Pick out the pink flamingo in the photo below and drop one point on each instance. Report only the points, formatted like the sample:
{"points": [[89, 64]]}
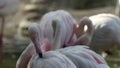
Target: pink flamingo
{"points": [[47, 32], [106, 32], [84, 37], [67, 29], [29, 51], [44, 55], [6, 7]]}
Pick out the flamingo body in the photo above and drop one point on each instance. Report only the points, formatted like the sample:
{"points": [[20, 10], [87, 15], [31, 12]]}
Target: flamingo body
{"points": [[58, 61], [83, 57], [106, 33]]}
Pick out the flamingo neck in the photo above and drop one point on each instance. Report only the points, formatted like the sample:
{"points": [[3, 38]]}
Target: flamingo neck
{"points": [[35, 36], [88, 22], [57, 39], [71, 42]]}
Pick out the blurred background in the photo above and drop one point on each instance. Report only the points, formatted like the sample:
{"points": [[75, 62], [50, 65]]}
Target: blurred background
{"points": [[16, 36]]}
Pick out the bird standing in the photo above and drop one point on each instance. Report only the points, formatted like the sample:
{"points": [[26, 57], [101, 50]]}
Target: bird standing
{"points": [[6, 7]]}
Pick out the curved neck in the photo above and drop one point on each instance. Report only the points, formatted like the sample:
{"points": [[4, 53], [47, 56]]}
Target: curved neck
{"points": [[73, 32], [84, 37], [57, 38], [85, 21], [34, 32]]}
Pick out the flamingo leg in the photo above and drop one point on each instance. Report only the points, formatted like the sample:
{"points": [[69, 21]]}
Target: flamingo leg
{"points": [[1, 40]]}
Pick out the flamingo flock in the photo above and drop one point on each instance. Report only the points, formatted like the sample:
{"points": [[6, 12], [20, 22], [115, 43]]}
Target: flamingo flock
{"points": [[58, 41], [45, 55]]}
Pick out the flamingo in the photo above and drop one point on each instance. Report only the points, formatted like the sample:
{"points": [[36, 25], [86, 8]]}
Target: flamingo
{"points": [[44, 57], [6, 7], [71, 33], [106, 34], [29, 51], [84, 37], [81, 56], [67, 29]]}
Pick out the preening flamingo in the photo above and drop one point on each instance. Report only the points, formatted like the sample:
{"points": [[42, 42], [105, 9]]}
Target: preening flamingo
{"points": [[6, 7], [84, 37], [67, 29], [107, 31], [44, 54], [29, 51]]}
